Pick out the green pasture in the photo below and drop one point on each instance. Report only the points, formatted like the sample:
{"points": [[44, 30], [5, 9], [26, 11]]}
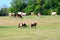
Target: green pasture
{"points": [[48, 28]]}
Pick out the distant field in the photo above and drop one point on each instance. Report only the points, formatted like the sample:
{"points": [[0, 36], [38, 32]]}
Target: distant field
{"points": [[48, 28]]}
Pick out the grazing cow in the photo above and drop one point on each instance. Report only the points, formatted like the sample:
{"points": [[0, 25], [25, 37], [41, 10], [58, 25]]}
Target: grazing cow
{"points": [[11, 14], [22, 25], [32, 13], [19, 25], [54, 14], [33, 25], [39, 14], [19, 15]]}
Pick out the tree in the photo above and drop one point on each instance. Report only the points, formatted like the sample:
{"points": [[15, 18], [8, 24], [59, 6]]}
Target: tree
{"points": [[51, 5], [40, 6], [30, 7], [3, 12], [17, 6], [45, 7]]}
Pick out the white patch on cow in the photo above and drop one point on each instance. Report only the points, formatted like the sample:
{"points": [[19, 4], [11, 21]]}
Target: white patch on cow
{"points": [[39, 14], [23, 14], [19, 12], [54, 14], [32, 13], [9, 14]]}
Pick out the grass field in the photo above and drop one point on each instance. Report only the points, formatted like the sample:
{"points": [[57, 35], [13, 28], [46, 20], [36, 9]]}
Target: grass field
{"points": [[48, 28]]}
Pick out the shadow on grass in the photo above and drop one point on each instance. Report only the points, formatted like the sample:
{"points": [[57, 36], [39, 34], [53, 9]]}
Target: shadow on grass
{"points": [[3, 27], [24, 27], [6, 27]]}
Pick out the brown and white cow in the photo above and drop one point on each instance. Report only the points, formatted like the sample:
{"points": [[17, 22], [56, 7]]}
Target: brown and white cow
{"points": [[22, 25], [19, 25], [11, 14], [33, 25], [32, 13], [39, 14]]}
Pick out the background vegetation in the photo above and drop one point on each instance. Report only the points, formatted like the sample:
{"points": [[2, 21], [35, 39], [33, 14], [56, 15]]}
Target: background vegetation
{"points": [[45, 7]]}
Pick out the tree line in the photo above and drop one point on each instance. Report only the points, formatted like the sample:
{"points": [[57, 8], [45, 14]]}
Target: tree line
{"points": [[45, 7]]}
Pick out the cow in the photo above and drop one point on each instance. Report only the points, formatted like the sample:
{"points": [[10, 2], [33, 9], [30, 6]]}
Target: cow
{"points": [[11, 14], [19, 15], [22, 25], [39, 14], [54, 14], [23, 14], [33, 25], [32, 13], [19, 25]]}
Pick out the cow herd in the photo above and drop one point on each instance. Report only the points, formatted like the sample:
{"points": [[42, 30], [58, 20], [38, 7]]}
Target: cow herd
{"points": [[23, 24], [21, 14]]}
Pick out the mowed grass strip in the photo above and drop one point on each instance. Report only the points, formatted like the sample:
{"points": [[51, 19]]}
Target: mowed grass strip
{"points": [[48, 28]]}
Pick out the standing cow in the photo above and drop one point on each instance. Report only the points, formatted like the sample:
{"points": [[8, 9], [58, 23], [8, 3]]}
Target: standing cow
{"points": [[18, 15], [32, 13], [54, 14], [11, 14], [33, 25], [39, 14]]}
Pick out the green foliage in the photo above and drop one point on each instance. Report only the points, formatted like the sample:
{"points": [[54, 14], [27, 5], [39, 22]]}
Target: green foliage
{"points": [[17, 5], [29, 8], [45, 7], [3, 12]]}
